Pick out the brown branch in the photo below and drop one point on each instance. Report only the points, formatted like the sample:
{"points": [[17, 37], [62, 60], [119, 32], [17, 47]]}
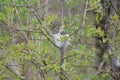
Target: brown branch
{"points": [[20, 21], [38, 19], [41, 72], [35, 31], [21, 77], [84, 66], [113, 7], [8, 4]]}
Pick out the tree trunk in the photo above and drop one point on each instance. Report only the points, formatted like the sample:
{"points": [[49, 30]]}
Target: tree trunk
{"points": [[101, 46], [109, 9]]}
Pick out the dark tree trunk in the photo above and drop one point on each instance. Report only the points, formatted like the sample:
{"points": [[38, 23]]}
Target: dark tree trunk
{"points": [[101, 46], [110, 8], [115, 10], [62, 75]]}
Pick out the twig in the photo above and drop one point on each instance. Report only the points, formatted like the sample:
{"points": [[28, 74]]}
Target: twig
{"points": [[36, 16], [85, 12], [18, 29], [41, 72], [113, 7], [19, 19], [84, 66], [62, 8], [84, 20], [21, 78], [16, 5]]}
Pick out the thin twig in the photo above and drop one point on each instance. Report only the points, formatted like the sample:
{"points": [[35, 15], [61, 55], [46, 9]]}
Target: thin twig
{"points": [[20, 21], [113, 7], [83, 21], [38, 19], [8, 4], [85, 12], [35, 31], [21, 78]]}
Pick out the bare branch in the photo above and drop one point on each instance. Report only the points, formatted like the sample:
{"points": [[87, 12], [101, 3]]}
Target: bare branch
{"points": [[36, 16]]}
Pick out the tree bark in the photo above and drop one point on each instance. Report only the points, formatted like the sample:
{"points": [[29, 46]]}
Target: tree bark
{"points": [[101, 46], [113, 49], [62, 75], [110, 8]]}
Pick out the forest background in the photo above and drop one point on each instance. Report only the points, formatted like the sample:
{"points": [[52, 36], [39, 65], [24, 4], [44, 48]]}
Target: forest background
{"points": [[28, 50]]}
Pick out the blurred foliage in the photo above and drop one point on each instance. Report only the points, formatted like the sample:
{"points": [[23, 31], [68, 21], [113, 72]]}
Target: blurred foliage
{"points": [[39, 50]]}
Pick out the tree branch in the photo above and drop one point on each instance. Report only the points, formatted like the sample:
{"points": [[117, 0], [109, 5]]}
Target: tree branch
{"points": [[38, 19], [83, 21]]}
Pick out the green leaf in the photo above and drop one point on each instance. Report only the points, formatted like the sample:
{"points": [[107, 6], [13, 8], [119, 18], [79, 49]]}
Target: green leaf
{"points": [[50, 18], [2, 17]]}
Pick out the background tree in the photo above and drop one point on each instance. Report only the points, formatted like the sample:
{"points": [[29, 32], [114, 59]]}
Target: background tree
{"points": [[28, 50]]}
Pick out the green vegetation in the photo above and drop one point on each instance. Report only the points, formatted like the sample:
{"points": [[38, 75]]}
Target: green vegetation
{"points": [[28, 50]]}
